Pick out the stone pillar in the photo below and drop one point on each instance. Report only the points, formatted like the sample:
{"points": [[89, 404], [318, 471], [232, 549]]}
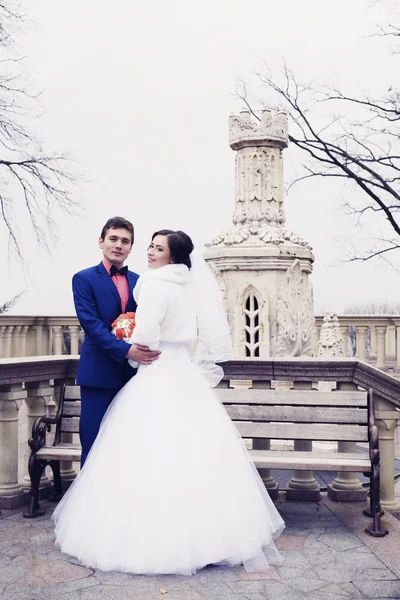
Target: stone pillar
{"points": [[39, 400], [347, 487], [11, 398], [271, 485], [361, 336], [74, 333], [386, 420], [380, 347], [303, 485], [57, 339]]}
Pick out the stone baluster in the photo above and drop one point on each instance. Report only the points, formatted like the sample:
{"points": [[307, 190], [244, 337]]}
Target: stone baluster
{"points": [[386, 420], [40, 402], [2, 333], [344, 330], [380, 346], [347, 487], [18, 343], [390, 342], [373, 351], [22, 340], [57, 339], [7, 341], [11, 398], [15, 341], [259, 444], [74, 333], [303, 485], [39, 340], [66, 466], [361, 336]]}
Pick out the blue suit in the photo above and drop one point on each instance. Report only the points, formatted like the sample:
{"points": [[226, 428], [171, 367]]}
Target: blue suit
{"points": [[103, 369]]}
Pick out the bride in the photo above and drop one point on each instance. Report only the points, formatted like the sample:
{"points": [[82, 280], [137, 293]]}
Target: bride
{"points": [[168, 486]]}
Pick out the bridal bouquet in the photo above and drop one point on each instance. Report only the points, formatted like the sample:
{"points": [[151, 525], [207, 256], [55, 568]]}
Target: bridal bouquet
{"points": [[123, 327]]}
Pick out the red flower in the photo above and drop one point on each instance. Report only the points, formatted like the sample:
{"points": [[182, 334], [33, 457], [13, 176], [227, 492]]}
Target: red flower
{"points": [[120, 333]]}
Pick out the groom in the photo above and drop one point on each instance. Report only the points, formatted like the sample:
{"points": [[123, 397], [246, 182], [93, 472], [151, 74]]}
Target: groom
{"points": [[101, 294]]}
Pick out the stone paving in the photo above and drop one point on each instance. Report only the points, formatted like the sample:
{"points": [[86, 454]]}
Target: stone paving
{"points": [[327, 556]]}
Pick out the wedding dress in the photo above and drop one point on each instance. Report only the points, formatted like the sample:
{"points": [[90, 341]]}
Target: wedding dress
{"points": [[168, 486]]}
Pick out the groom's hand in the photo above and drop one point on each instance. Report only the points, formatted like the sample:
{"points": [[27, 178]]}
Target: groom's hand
{"points": [[142, 354]]}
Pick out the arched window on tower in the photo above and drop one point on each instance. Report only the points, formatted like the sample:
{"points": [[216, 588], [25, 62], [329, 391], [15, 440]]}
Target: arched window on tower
{"points": [[252, 325]]}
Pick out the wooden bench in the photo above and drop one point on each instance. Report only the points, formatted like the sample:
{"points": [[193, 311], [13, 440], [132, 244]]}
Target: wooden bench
{"points": [[257, 414], [42, 455]]}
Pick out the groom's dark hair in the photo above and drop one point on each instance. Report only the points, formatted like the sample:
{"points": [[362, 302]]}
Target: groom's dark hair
{"points": [[117, 223], [180, 245]]}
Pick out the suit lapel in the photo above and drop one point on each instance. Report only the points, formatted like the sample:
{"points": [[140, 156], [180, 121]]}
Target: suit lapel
{"points": [[105, 277]]}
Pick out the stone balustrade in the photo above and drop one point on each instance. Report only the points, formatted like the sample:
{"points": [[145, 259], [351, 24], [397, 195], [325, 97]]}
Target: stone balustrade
{"points": [[39, 336], [376, 337], [29, 387]]}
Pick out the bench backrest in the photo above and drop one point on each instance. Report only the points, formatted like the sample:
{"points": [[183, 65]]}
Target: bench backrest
{"points": [[71, 410], [275, 414], [298, 414]]}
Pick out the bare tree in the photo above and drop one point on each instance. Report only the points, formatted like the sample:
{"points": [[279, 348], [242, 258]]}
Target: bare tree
{"points": [[10, 303], [355, 138], [34, 184]]}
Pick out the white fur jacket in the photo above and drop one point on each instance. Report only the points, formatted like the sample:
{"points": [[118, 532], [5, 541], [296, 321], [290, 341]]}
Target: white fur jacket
{"points": [[165, 311]]}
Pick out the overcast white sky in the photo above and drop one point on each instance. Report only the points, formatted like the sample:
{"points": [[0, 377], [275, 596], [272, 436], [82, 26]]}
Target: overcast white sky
{"points": [[140, 94]]}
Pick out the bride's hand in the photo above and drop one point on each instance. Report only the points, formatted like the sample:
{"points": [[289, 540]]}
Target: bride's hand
{"points": [[142, 354]]}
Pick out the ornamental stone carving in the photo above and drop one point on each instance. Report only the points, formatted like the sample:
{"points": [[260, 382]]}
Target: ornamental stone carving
{"points": [[258, 216], [295, 318], [330, 341]]}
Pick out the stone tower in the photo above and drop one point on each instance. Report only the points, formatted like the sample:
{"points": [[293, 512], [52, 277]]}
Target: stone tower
{"points": [[263, 269]]}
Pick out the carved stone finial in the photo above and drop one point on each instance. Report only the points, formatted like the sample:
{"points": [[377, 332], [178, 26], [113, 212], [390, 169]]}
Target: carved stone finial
{"points": [[330, 341], [258, 217]]}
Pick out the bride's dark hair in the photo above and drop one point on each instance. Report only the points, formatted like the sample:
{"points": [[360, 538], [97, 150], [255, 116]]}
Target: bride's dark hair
{"points": [[180, 245]]}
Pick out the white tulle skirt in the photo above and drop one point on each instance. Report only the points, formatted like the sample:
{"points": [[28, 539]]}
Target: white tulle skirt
{"points": [[168, 486]]}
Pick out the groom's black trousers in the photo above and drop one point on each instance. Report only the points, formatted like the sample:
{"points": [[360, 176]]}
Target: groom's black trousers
{"points": [[94, 403]]}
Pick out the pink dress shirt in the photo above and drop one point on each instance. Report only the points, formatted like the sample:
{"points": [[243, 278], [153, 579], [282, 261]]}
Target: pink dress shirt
{"points": [[121, 283]]}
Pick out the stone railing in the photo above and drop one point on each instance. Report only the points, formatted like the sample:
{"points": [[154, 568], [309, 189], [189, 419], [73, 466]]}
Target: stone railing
{"points": [[29, 387], [39, 336], [376, 338]]}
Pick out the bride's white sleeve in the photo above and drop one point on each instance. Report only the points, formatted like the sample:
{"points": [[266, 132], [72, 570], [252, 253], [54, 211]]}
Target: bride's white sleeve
{"points": [[152, 306]]}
